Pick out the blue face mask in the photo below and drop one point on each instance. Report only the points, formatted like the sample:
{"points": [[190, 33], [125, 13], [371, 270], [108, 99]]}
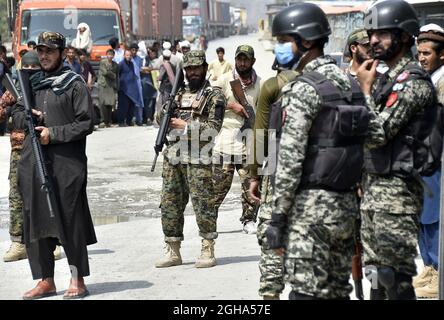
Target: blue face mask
{"points": [[283, 52]]}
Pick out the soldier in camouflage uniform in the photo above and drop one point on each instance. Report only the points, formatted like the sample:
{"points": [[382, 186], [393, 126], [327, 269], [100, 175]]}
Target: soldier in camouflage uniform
{"points": [[313, 222], [392, 200], [270, 264], [189, 173], [17, 250]]}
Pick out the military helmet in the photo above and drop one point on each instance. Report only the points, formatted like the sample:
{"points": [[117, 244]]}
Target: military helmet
{"points": [[392, 14], [306, 20]]}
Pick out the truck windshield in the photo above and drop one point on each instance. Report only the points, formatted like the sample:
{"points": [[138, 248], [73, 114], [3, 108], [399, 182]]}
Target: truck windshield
{"points": [[104, 24]]}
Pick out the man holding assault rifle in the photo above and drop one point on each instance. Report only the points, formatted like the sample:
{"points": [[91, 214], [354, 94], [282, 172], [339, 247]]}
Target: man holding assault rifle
{"points": [[55, 109], [192, 115]]}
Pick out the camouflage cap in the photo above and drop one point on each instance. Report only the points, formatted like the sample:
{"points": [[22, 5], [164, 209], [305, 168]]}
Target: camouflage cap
{"points": [[360, 36], [246, 50], [53, 40], [194, 58]]}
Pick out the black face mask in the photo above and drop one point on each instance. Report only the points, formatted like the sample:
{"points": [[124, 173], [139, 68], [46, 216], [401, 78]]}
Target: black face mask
{"points": [[32, 71]]}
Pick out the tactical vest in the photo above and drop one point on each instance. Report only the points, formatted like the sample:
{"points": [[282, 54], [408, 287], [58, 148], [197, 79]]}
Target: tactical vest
{"points": [[335, 152], [416, 149], [194, 105]]}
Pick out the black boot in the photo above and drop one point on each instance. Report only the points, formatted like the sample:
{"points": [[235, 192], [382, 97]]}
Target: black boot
{"points": [[378, 294], [398, 286]]}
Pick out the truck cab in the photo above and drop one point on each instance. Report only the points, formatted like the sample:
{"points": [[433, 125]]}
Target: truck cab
{"points": [[102, 16]]}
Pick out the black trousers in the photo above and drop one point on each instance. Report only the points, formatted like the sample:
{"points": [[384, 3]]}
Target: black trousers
{"points": [[41, 258]]}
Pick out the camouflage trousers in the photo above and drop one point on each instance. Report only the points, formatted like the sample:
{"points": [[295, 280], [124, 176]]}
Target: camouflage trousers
{"points": [[390, 240], [270, 264], [223, 173], [15, 200], [320, 244], [179, 183]]}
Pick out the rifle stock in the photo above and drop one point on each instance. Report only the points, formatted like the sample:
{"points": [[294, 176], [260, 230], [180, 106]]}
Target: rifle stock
{"points": [[167, 114], [42, 172], [239, 94]]}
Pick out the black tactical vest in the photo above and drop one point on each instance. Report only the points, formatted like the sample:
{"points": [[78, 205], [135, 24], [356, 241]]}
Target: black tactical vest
{"points": [[416, 149], [335, 153]]}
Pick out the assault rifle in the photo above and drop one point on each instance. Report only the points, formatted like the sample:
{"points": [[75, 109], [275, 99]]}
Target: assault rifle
{"points": [[239, 94], [42, 172], [167, 114]]}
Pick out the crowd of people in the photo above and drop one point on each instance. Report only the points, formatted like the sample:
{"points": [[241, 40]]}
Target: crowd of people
{"points": [[347, 155]]}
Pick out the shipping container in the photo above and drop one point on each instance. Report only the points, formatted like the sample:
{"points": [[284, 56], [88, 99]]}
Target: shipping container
{"points": [[152, 19]]}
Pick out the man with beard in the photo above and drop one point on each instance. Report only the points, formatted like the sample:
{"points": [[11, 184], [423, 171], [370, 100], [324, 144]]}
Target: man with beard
{"points": [[431, 56], [268, 119], [358, 46], [393, 191], [200, 111], [314, 205], [17, 251], [64, 112], [230, 151]]}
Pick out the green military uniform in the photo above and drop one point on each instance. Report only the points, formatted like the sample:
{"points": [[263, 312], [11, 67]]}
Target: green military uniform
{"points": [[391, 205], [319, 232], [188, 172], [270, 264], [15, 199]]}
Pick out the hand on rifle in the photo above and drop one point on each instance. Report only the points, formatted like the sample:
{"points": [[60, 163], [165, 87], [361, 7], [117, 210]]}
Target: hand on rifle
{"points": [[275, 233], [254, 190], [238, 109], [44, 135], [38, 114], [177, 123]]}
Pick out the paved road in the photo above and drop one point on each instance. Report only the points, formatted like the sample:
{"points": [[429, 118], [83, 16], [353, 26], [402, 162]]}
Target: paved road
{"points": [[121, 188]]}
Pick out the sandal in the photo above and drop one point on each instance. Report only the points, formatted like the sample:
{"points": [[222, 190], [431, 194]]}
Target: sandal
{"points": [[79, 295], [42, 290]]}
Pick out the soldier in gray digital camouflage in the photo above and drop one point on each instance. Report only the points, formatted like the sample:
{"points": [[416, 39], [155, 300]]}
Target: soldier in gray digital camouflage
{"points": [[319, 163], [267, 130], [403, 100], [200, 111]]}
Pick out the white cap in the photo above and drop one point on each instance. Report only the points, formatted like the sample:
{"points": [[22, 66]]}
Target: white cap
{"points": [[185, 44], [431, 27], [166, 45], [166, 53]]}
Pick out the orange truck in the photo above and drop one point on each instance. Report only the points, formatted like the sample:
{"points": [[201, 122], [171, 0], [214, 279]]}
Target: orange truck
{"points": [[35, 16]]}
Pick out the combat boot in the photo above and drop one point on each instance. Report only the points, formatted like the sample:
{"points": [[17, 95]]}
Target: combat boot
{"points": [[424, 278], [206, 259], [430, 290], [172, 255], [17, 251]]}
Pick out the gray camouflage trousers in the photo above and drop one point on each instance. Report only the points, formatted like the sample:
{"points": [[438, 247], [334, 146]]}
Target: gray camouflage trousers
{"points": [[390, 240], [320, 244], [270, 264], [179, 183]]}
